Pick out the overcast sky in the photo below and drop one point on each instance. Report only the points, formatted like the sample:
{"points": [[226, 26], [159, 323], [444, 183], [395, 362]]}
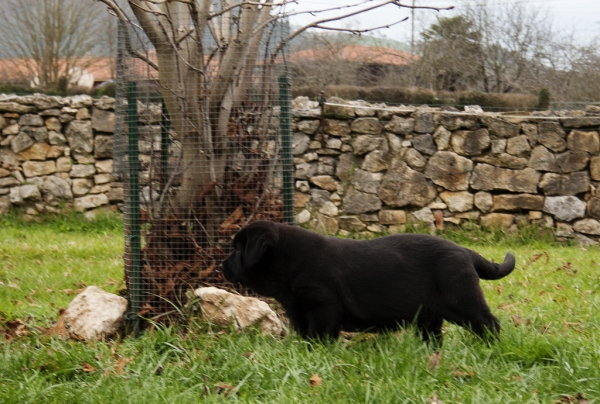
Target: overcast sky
{"points": [[583, 16]]}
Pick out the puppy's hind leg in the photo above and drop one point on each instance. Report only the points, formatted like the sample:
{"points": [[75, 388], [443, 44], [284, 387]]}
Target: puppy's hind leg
{"points": [[431, 331], [466, 306], [324, 322]]}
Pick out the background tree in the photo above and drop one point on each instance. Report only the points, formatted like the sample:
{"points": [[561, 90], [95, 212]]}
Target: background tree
{"points": [[57, 38], [202, 87], [451, 54]]}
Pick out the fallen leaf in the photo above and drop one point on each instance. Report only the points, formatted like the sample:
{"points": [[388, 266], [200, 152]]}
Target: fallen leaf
{"points": [[15, 328], [30, 297], [120, 365], [538, 256], [59, 329], [87, 368], [499, 289], [223, 388], [13, 285], [518, 320], [315, 380], [579, 399], [434, 361]]}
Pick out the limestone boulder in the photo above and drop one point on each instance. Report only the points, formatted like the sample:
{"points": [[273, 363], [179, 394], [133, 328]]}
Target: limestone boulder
{"points": [[351, 224], [335, 127], [309, 126], [584, 141], [402, 186], [424, 122], [94, 314], [517, 202], [518, 145], [375, 161], [587, 226], [242, 312], [90, 202], [300, 142], [565, 208], [55, 190], [400, 126], [39, 168], [80, 137], [325, 182], [484, 201], [21, 142], [497, 220], [593, 207], [366, 181], [487, 178], [442, 136], [470, 143], [503, 129], [364, 144], [345, 166], [103, 147], [552, 136], [458, 201], [449, 170], [424, 144], [454, 121], [357, 202], [367, 126], [414, 159], [572, 161], [581, 122], [542, 160], [595, 168], [565, 184]]}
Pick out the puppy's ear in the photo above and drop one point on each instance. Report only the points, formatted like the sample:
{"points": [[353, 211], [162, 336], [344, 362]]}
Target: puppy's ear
{"points": [[257, 242]]}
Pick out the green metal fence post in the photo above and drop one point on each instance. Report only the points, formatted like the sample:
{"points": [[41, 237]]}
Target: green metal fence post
{"points": [[285, 123], [134, 208], [165, 125]]}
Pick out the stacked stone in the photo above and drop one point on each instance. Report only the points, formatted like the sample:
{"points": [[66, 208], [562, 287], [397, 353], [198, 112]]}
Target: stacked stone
{"points": [[367, 168], [57, 152]]}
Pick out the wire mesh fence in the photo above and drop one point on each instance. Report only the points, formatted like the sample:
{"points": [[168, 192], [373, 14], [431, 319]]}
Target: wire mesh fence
{"points": [[202, 144]]}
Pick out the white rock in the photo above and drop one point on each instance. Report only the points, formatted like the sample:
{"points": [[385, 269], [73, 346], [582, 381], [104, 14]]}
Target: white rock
{"points": [[94, 313], [303, 217], [223, 308]]}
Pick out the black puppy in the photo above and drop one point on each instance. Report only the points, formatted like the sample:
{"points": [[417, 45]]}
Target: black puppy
{"points": [[328, 284]]}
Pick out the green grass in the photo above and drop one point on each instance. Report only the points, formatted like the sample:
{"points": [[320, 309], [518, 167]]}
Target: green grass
{"points": [[549, 349], [44, 263]]}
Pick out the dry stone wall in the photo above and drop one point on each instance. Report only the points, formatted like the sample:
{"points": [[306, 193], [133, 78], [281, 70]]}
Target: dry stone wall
{"points": [[57, 152], [359, 168], [369, 168]]}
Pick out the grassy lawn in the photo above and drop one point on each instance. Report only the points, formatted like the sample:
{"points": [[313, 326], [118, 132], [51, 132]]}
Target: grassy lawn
{"points": [[549, 352]]}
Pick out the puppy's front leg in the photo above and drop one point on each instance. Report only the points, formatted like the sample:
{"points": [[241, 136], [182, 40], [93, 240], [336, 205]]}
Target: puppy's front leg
{"points": [[324, 322]]}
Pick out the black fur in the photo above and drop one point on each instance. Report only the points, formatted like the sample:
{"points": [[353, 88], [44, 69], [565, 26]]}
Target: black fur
{"points": [[328, 284]]}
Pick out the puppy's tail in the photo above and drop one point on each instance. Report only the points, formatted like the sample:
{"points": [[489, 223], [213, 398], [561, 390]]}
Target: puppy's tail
{"points": [[490, 270]]}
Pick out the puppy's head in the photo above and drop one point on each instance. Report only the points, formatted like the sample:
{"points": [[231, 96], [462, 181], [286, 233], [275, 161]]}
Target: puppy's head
{"points": [[250, 249]]}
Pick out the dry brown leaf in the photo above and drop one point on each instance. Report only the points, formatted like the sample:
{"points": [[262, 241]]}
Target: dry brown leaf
{"points": [[59, 329], [434, 361], [315, 380], [499, 289], [223, 388], [87, 368], [537, 257], [120, 365], [518, 320], [15, 328]]}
